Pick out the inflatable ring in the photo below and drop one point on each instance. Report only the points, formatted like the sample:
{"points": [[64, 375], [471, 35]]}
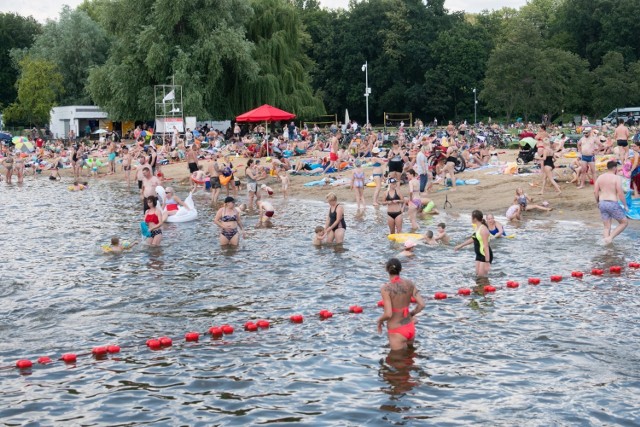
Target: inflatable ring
{"points": [[197, 182], [403, 237], [224, 180], [571, 155], [370, 184]]}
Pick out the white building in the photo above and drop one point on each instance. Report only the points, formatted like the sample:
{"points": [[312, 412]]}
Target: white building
{"points": [[77, 117]]}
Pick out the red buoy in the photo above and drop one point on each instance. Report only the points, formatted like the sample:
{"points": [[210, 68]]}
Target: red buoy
{"points": [[165, 341], [634, 264], [325, 314], [192, 336], [597, 272], [556, 278], [153, 344], [381, 303], [44, 360], [114, 349], [577, 274], [489, 288], [215, 332], [511, 284], [439, 295], [99, 351], [226, 329], [263, 323], [464, 291], [24, 364], [615, 269], [69, 357], [297, 318], [355, 309], [250, 326], [534, 281]]}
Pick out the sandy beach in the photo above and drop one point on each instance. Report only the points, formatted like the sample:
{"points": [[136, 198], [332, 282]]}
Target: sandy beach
{"points": [[494, 193]]}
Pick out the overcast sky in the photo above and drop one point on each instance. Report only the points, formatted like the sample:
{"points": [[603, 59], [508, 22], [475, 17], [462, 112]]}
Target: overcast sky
{"points": [[49, 9]]}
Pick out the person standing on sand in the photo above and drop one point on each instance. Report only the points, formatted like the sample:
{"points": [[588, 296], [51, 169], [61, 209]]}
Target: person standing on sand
{"points": [[621, 135], [333, 154], [112, 152], [587, 148], [607, 191]]}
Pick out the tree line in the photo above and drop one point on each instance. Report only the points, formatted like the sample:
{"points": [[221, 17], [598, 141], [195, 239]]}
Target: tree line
{"points": [[548, 57]]}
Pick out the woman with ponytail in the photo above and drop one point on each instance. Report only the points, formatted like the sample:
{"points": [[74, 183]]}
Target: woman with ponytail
{"points": [[396, 294], [480, 240]]}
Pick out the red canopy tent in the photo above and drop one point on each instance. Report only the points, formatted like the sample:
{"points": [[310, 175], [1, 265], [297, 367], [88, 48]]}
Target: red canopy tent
{"points": [[265, 113]]}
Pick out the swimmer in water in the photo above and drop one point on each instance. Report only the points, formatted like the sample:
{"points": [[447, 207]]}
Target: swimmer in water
{"points": [[409, 246], [318, 236], [429, 239], [396, 295], [117, 247], [495, 228], [441, 235], [267, 190]]}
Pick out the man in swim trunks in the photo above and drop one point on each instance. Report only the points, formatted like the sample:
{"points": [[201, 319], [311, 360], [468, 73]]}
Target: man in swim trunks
{"points": [[621, 135], [587, 148], [192, 159], [607, 191], [149, 184], [333, 154]]}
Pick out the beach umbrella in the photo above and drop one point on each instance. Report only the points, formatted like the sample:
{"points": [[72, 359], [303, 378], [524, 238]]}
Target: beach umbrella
{"points": [[25, 146], [19, 139], [528, 142]]}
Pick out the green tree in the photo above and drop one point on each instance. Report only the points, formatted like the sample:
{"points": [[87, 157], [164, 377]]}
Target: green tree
{"points": [[201, 44], [282, 80], [39, 87], [461, 55], [75, 43], [16, 32], [614, 85]]}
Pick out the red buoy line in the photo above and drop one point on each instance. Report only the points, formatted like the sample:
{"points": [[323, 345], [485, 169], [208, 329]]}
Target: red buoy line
{"points": [[218, 332]]}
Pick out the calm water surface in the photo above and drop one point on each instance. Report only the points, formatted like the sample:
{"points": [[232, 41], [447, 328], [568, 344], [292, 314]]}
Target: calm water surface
{"points": [[554, 354]]}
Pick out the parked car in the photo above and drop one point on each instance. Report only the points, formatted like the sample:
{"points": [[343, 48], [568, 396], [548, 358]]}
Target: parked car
{"points": [[5, 138], [628, 113]]}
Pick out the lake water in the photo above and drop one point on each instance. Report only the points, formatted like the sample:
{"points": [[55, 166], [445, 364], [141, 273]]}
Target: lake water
{"points": [[554, 354]]}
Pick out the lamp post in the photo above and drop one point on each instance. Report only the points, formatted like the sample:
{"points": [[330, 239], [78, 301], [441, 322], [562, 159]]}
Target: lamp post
{"points": [[367, 89], [475, 108]]}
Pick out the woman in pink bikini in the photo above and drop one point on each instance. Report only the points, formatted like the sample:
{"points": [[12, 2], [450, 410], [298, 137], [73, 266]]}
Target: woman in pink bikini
{"points": [[396, 294]]}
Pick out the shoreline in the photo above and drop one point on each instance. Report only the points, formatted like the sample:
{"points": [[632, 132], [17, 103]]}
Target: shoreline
{"points": [[493, 194]]}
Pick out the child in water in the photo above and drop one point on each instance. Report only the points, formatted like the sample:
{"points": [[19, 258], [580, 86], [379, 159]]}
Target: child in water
{"points": [[266, 211], [117, 247], [442, 235], [318, 237], [429, 239], [267, 190], [409, 245]]}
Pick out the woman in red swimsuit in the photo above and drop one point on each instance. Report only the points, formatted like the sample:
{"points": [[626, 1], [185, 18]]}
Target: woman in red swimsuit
{"points": [[396, 294], [154, 219]]}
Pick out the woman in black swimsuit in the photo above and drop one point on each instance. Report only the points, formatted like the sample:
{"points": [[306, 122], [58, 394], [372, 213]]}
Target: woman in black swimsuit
{"points": [[450, 164], [546, 155], [396, 160], [335, 226], [395, 203]]}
